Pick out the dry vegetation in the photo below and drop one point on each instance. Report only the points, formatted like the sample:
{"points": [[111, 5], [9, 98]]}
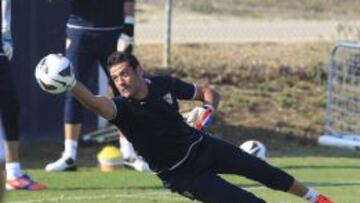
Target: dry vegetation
{"points": [[267, 89], [308, 9], [282, 9]]}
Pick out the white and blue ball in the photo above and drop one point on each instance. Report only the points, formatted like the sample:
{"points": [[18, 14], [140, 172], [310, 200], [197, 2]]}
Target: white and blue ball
{"points": [[54, 74]]}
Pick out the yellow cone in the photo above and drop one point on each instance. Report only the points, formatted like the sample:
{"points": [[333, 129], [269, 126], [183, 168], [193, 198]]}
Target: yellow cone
{"points": [[110, 158]]}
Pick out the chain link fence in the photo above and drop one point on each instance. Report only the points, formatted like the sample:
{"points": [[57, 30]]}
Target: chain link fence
{"points": [[235, 21]]}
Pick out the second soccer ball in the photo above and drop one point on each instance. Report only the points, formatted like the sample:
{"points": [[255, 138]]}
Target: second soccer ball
{"points": [[255, 148]]}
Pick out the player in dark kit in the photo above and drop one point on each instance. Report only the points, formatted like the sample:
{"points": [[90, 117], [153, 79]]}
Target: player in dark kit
{"points": [[95, 29], [187, 160], [16, 179]]}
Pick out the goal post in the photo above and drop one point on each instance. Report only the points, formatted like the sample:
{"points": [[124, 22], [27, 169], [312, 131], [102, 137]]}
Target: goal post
{"points": [[342, 119]]}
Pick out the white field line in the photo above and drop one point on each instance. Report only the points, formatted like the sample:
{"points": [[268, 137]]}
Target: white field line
{"points": [[147, 196], [311, 184], [163, 195]]}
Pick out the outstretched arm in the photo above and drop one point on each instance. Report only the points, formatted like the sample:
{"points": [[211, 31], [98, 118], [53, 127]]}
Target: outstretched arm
{"points": [[54, 75], [101, 105]]}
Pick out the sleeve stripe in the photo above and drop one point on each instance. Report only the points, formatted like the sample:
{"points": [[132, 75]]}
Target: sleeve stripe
{"points": [[115, 111], [195, 91]]}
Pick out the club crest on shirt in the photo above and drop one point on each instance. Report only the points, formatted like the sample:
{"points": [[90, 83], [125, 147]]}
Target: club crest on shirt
{"points": [[168, 98]]}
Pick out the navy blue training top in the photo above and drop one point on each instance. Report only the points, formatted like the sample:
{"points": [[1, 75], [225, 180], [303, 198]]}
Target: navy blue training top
{"points": [[97, 13], [154, 126]]}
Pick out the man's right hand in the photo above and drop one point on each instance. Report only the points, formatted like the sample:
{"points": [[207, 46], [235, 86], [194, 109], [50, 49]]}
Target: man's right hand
{"points": [[201, 117]]}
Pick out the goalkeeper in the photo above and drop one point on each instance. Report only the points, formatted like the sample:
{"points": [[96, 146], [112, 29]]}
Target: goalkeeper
{"points": [[187, 160]]}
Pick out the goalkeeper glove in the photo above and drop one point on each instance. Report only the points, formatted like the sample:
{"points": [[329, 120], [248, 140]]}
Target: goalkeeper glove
{"points": [[126, 40], [201, 117], [7, 44]]}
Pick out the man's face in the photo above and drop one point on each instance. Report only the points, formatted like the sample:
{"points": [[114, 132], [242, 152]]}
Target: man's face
{"points": [[126, 79]]}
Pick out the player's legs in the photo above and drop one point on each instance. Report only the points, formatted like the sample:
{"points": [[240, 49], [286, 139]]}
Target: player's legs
{"points": [[108, 46], [16, 179], [196, 179], [83, 62], [230, 159], [9, 108], [9, 129], [2, 179], [81, 55], [209, 187], [2, 168], [79, 52]]}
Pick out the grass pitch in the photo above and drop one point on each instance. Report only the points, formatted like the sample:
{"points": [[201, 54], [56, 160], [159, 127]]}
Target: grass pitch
{"points": [[337, 177]]}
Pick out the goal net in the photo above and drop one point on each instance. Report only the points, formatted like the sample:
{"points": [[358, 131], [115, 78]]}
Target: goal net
{"points": [[342, 121]]}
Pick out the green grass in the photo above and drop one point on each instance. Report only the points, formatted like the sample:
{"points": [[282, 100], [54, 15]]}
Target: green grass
{"points": [[337, 177]]}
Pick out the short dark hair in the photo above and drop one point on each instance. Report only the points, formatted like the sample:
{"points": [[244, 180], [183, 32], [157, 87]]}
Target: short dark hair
{"points": [[120, 57]]}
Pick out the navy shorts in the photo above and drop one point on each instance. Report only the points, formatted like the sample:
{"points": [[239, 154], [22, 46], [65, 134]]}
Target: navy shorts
{"points": [[86, 50], [198, 177], [9, 106]]}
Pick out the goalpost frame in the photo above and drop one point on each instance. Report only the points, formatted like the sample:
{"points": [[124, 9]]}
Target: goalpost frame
{"points": [[332, 138]]}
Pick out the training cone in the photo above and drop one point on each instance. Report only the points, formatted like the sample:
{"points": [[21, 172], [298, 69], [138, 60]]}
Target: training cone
{"points": [[110, 158]]}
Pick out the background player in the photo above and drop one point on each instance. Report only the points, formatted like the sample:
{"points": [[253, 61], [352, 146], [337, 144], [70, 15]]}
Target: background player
{"points": [[16, 179], [95, 29]]}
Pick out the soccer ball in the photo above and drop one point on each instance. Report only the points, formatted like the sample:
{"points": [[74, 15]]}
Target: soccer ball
{"points": [[54, 74], [255, 148]]}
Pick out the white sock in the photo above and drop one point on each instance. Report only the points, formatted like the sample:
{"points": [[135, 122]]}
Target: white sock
{"points": [[126, 148], [13, 170], [71, 147], [311, 195]]}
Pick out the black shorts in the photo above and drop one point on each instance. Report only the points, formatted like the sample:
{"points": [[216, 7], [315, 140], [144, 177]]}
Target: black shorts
{"points": [[198, 177], [9, 107], [6, 78]]}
